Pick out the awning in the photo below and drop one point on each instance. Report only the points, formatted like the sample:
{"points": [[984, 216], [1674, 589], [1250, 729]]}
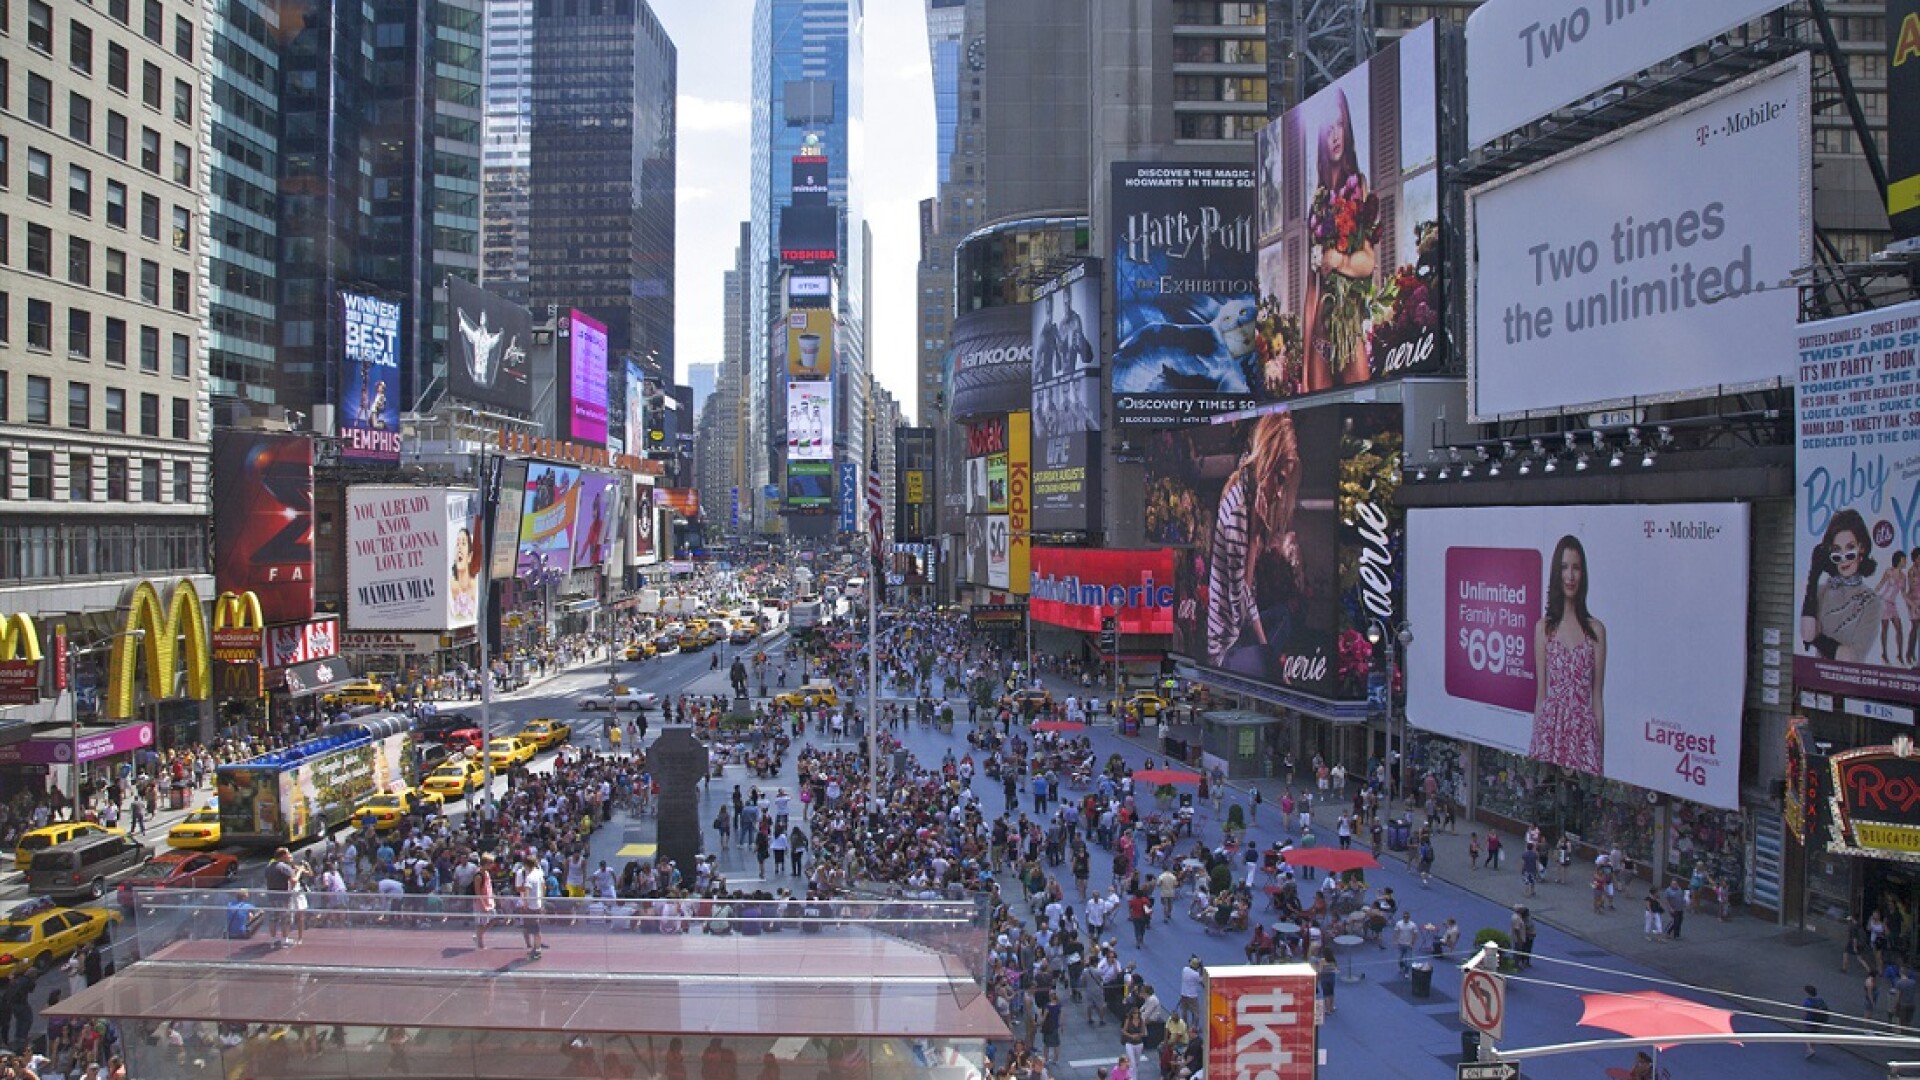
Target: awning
{"points": [[318, 676]]}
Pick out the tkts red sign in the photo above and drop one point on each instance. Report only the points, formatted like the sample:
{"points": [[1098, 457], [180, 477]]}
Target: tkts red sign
{"points": [[1260, 1022], [987, 437]]}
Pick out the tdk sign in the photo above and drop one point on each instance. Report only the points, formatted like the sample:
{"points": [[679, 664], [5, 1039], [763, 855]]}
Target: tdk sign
{"points": [[1069, 590]]}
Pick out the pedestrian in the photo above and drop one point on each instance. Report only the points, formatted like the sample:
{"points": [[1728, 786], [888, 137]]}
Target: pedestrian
{"points": [[139, 817], [1140, 913], [1473, 850], [484, 903], [1562, 858], [1904, 992], [1166, 884], [1133, 1036], [1870, 996], [1815, 1015], [1426, 861], [1677, 901], [1855, 946], [1493, 851], [1652, 924], [1253, 808], [1530, 869], [1191, 983], [1405, 933], [533, 903], [1521, 930], [1326, 980]]}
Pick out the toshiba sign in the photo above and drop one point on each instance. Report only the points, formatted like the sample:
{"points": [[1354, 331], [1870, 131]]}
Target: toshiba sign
{"points": [[1077, 587]]}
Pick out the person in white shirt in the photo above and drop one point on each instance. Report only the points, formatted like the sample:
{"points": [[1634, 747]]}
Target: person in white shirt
{"points": [[533, 902]]}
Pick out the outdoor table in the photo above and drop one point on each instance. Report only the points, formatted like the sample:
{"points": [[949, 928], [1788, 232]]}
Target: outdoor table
{"points": [[1347, 942]]}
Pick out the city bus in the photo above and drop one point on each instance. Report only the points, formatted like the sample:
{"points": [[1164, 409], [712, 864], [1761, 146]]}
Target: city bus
{"points": [[309, 789]]}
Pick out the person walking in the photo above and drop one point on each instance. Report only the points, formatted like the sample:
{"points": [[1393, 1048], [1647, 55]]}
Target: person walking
{"points": [[533, 904], [1530, 869], [1405, 933], [484, 902], [1473, 851], [1140, 913], [1677, 901], [1653, 924], [1815, 1014], [1493, 851]]}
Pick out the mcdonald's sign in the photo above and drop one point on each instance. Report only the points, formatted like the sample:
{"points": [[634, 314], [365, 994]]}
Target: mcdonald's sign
{"points": [[19, 660], [237, 628], [175, 632]]}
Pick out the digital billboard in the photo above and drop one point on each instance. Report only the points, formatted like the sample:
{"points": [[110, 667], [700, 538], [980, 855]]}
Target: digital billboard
{"points": [[487, 342], [546, 518], [809, 234], [1350, 238], [810, 343], [1289, 535], [597, 511], [506, 520], [263, 520], [1856, 536], [1066, 353], [1538, 635], [1184, 292], [413, 558], [1903, 117], [992, 361], [1648, 265], [809, 421], [646, 528], [369, 407], [585, 398], [1078, 587], [848, 496], [1066, 482], [809, 487], [634, 431]]}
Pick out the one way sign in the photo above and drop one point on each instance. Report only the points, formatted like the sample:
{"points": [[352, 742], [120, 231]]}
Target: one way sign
{"points": [[1487, 1070]]}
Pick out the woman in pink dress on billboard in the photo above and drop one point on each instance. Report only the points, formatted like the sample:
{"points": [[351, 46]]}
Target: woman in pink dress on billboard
{"points": [[1570, 668]]}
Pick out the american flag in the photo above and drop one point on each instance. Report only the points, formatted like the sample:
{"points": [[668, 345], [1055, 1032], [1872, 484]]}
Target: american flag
{"points": [[876, 525]]}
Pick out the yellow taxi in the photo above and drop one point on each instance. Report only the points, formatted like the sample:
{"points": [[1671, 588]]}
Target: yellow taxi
{"points": [[197, 831], [387, 808], [809, 695], [1028, 699], [38, 933], [507, 752], [455, 778], [363, 692], [1148, 703], [547, 734], [642, 650], [44, 838]]}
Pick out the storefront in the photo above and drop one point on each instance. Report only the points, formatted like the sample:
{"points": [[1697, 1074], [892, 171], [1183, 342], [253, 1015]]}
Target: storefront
{"points": [[102, 753], [425, 663]]}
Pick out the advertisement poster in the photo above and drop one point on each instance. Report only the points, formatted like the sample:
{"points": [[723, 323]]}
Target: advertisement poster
{"points": [[810, 343], [1066, 353], [999, 550], [1289, 536], [1594, 285], [992, 361], [809, 487], [1856, 534], [809, 421], [1077, 587], [1019, 502], [849, 496], [1066, 472], [975, 566], [1538, 635], [506, 520], [370, 379], [587, 380], [597, 511], [646, 528], [1260, 1022], [487, 342], [301, 643], [997, 483], [263, 520], [546, 519], [1903, 118], [635, 431], [412, 559], [1184, 292], [1350, 251]]}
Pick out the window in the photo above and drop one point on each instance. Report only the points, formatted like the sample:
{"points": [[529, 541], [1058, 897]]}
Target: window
{"points": [[40, 25], [116, 341], [116, 272], [79, 191], [150, 349], [39, 324], [116, 204], [79, 334], [149, 281], [79, 478], [152, 25], [79, 118], [79, 405], [150, 217], [79, 262], [117, 479], [149, 480], [183, 38], [6, 163], [39, 474], [182, 418], [80, 46], [183, 481], [182, 164], [39, 175], [182, 101], [118, 10], [182, 229], [39, 399], [39, 249], [150, 415], [116, 135], [116, 410], [118, 65], [6, 242], [182, 291], [39, 101], [6, 334], [150, 150], [150, 84], [182, 356]]}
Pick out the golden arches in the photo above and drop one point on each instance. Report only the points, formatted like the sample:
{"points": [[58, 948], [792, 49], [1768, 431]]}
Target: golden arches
{"points": [[17, 637], [238, 611], [183, 626]]}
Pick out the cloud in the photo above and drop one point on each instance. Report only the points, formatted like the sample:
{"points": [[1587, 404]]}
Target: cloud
{"points": [[708, 114]]}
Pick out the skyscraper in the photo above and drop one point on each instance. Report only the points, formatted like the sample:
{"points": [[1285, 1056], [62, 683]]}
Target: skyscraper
{"points": [[243, 288], [508, 148], [601, 180]]}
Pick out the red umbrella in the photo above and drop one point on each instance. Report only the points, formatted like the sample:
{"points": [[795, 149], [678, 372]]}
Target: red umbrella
{"points": [[1649, 1014], [1156, 777], [1333, 860], [1059, 725]]}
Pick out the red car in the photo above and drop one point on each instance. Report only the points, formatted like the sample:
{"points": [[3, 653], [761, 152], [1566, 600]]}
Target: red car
{"points": [[180, 870], [463, 739]]}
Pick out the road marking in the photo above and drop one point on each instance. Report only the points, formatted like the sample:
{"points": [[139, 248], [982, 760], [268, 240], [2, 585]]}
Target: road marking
{"points": [[1088, 1063], [637, 851]]}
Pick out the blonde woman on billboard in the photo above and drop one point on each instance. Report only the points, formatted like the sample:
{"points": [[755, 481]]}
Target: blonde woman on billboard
{"points": [[1254, 522], [1839, 612], [1570, 668], [464, 598], [1343, 221]]}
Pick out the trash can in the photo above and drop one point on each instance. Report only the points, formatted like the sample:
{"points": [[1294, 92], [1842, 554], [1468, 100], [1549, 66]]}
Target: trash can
{"points": [[179, 799], [1422, 974], [1399, 833], [1470, 1045]]}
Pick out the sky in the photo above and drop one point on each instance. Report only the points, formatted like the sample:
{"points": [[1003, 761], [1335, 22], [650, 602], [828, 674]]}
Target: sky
{"points": [[716, 128]]}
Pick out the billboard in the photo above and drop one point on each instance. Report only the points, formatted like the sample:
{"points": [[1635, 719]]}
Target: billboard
{"points": [[1077, 587], [1526, 58], [369, 379], [810, 343], [1856, 537], [1184, 285], [809, 487], [1066, 353], [1350, 239], [999, 551], [506, 520], [1261, 1022], [974, 557], [1539, 636], [413, 558], [1019, 502], [809, 421], [997, 483], [487, 343], [809, 234], [992, 362], [634, 432], [585, 394], [597, 510], [263, 520], [546, 518], [1903, 118], [1290, 533], [646, 527], [1066, 482], [849, 496], [1595, 285]]}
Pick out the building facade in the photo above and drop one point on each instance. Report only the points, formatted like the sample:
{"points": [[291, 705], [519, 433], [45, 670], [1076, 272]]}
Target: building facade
{"points": [[508, 148]]}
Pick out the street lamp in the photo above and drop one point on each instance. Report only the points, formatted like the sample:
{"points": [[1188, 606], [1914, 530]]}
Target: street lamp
{"points": [[73, 709], [1395, 641]]}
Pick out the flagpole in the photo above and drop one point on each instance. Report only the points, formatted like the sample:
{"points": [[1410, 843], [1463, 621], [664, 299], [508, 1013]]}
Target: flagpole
{"points": [[873, 618]]}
